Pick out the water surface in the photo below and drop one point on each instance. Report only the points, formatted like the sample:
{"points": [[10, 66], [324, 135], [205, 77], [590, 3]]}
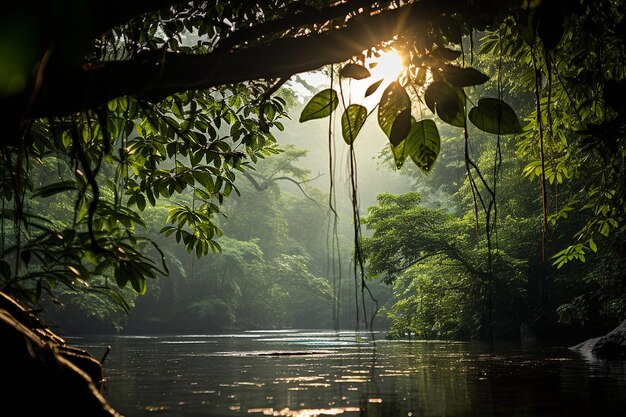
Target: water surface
{"points": [[308, 374]]}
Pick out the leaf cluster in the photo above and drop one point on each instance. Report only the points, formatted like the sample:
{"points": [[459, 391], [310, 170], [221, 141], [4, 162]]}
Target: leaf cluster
{"points": [[443, 94]]}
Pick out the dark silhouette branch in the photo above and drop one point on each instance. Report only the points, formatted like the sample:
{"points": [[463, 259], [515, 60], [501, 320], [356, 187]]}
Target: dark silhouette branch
{"points": [[154, 75], [266, 183], [299, 18]]}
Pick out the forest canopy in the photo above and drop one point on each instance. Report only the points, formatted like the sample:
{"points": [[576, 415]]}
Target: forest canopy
{"points": [[108, 108]]}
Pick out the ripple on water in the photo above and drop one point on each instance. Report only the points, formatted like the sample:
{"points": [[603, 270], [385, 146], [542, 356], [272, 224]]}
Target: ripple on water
{"points": [[285, 374], [274, 353], [310, 342], [304, 412]]}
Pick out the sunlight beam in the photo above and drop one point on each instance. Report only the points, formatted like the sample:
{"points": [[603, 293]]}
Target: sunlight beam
{"points": [[389, 66]]}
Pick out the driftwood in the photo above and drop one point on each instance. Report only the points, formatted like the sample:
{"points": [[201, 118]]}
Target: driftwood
{"points": [[41, 374]]}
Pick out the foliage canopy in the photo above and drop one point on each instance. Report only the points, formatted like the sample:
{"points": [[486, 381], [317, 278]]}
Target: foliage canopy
{"points": [[107, 109]]}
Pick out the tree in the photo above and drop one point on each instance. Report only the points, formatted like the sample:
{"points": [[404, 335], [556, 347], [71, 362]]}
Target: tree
{"points": [[437, 265]]}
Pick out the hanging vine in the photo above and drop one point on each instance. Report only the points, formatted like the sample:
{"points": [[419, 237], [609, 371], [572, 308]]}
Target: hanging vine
{"points": [[333, 255], [419, 140]]}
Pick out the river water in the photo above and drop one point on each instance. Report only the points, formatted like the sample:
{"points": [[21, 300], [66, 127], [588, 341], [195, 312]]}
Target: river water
{"points": [[313, 373]]}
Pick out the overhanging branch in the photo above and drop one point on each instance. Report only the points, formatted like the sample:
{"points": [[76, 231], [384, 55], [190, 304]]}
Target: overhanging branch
{"points": [[155, 75], [266, 183], [298, 19]]}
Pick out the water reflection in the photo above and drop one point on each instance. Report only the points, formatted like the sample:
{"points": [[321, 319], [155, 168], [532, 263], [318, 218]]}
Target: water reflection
{"points": [[326, 373], [307, 412]]}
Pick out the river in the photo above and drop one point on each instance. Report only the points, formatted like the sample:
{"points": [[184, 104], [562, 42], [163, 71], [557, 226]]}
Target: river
{"points": [[315, 373]]}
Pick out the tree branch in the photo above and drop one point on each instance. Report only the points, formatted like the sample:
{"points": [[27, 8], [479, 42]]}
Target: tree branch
{"points": [[254, 182], [264, 186], [393, 272], [298, 19], [155, 75]]}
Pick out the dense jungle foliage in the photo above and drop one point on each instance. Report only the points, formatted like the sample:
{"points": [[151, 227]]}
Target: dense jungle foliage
{"points": [[136, 135]]}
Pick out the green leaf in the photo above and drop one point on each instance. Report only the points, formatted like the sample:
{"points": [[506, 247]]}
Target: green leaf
{"points": [[52, 189], [352, 121], [372, 88], [423, 144], [356, 71], [120, 277], [321, 105], [447, 102], [445, 54], [493, 115], [463, 77], [605, 229], [593, 245], [112, 294], [394, 101], [401, 127], [112, 105], [151, 197], [141, 202], [204, 178], [399, 153], [139, 284], [177, 110]]}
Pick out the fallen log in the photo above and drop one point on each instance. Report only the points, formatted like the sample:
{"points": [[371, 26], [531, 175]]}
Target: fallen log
{"points": [[41, 374]]}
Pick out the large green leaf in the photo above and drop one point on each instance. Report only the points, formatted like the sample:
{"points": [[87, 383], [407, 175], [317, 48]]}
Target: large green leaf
{"points": [[493, 115], [423, 144], [393, 103], [463, 77], [352, 121], [447, 102], [321, 105], [356, 71], [445, 54], [401, 127]]}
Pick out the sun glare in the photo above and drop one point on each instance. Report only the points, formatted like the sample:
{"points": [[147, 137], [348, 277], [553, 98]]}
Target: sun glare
{"points": [[389, 66]]}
